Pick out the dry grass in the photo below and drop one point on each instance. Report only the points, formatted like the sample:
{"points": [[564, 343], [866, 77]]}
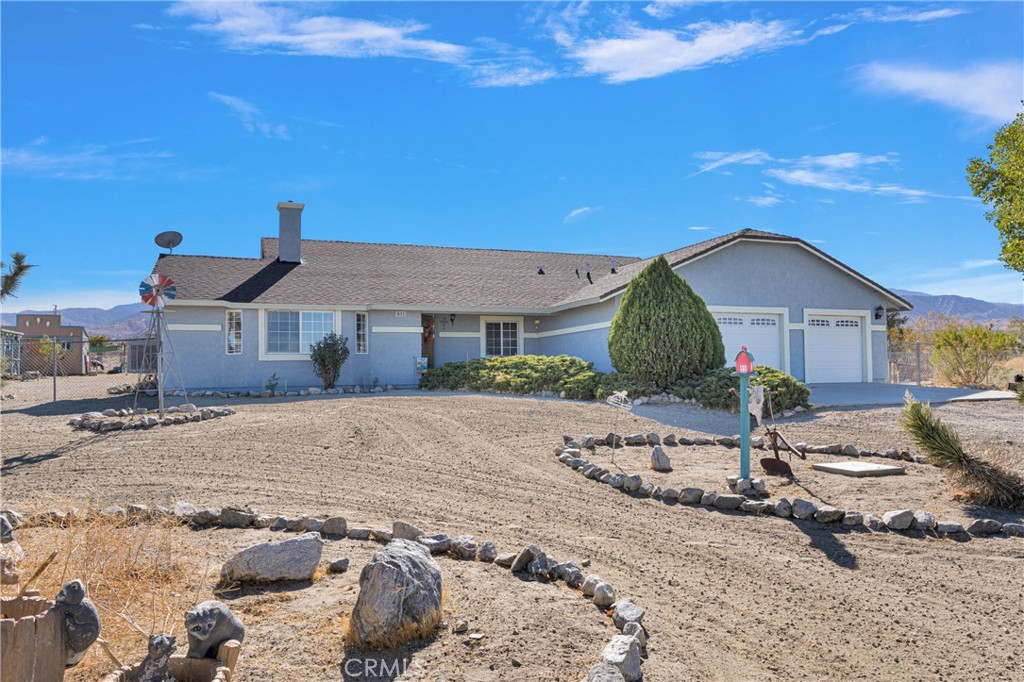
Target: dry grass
{"points": [[139, 576]]}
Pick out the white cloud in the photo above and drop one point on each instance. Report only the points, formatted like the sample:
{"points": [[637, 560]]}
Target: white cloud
{"points": [[577, 214], [118, 161], [290, 29], [251, 117], [816, 241], [698, 228], [893, 13], [714, 160], [663, 9], [766, 201], [500, 76], [990, 91], [646, 53]]}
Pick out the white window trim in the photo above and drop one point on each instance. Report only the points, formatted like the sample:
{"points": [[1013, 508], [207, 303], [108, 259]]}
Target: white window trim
{"points": [[227, 332], [264, 356], [868, 370], [784, 326], [495, 318], [355, 333]]}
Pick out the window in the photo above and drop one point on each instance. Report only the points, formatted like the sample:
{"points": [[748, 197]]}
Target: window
{"points": [[502, 338], [764, 322], [295, 332], [234, 332], [66, 345], [729, 320], [282, 332], [847, 323], [315, 326], [818, 323], [362, 338]]}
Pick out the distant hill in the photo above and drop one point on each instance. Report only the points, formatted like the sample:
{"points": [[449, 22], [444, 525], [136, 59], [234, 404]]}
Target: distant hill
{"points": [[960, 306], [120, 322]]}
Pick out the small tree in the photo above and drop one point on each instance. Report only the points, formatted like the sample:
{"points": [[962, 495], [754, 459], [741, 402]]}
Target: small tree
{"points": [[998, 181], [663, 332], [328, 355], [98, 340], [966, 353], [50, 348]]}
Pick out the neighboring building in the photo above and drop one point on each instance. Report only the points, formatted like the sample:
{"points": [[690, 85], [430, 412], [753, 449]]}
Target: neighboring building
{"points": [[237, 321], [34, 328]]}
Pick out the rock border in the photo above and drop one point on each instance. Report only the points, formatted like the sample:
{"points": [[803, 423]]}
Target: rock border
{"points": [[744, 498], [312, 390], [625, 651], [123, 419]]}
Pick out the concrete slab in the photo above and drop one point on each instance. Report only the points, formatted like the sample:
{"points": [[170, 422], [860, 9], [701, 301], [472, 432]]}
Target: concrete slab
{"points": [[876, 394], [859, 469]]}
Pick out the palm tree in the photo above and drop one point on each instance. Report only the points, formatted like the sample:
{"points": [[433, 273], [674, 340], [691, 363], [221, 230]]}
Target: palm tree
{"points": [[12, 278]]}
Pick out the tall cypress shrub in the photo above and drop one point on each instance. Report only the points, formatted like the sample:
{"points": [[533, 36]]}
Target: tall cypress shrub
{"points": [[663, 332]]}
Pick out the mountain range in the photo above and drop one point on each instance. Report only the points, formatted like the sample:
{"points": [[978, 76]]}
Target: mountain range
{"points": [[130, 320], [999, 314]]}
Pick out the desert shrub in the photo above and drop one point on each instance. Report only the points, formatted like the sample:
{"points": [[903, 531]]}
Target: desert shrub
{"points": [[663, 332], [966, 354], [715, 389], [978, 481], [516, 374], [328, 355]]}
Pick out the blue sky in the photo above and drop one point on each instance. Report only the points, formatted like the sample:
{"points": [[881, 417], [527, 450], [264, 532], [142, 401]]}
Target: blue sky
{"points": [[606, 127]]}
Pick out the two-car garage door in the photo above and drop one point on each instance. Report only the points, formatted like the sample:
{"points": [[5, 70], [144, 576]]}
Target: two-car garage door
{"points": [[833, 344], [761, 334], [833, 349]]}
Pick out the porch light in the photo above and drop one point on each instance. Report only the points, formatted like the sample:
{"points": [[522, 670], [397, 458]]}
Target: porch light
{"points": [[536, 325], [879, 313], [451, 318]]}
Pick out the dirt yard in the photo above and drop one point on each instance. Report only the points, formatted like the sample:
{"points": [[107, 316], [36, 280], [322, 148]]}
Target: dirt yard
{"points": [[729, 597]]}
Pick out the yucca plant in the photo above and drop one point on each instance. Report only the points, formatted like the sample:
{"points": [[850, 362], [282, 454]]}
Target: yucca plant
{"points": [[978, 481]]}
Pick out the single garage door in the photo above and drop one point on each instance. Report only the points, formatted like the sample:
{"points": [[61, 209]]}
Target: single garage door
{"points": [[761, 334], [833, 349]]}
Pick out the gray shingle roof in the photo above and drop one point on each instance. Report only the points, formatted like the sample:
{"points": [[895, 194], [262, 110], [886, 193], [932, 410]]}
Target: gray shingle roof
{"points": [[356, 273], [429, 277]]}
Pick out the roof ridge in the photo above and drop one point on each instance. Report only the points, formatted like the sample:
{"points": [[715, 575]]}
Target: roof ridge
{"points": [[462, 248]]}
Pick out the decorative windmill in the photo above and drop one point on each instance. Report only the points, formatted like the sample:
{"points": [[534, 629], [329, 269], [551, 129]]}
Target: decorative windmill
{"points": [[156, 291]]}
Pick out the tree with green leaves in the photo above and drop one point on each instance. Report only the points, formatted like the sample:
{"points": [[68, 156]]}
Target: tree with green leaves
{"points": [[328, 355], [15, 273], [663, 332], [999, 182]]}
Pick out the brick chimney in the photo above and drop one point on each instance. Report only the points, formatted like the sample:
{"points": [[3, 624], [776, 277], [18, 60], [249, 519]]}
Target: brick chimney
{"points": [[289, 242]]}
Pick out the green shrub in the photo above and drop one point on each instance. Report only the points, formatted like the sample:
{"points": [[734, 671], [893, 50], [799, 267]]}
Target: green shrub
{"points": [[715, 389], [328, 355], [663, 333], [966, 354], [614, 382], [517, 374]]}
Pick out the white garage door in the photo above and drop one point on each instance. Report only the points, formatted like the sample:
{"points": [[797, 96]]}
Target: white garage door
{"points": [[834, 349], [761, 334]]}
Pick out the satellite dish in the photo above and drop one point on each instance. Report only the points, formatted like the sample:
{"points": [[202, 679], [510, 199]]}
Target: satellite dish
{"points": [[168, 240]]}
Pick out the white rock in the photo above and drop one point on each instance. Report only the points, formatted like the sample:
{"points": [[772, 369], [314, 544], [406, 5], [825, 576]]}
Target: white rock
{"points": [[294, 559], [590, 583], [924, 520], [659, 460], [802, 509], [623, 652], [898, 520], [604, 595]]}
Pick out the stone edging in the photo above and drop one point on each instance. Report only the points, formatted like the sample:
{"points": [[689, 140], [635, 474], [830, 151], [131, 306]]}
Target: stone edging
{"points": [[624, 652], [895, 520], [115, 420]]}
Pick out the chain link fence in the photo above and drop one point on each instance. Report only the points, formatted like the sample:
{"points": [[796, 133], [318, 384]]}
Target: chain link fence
{"points": [[36, 371], [910, 362]]}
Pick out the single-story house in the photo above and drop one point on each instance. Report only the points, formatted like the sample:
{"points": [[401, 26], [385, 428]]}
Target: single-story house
{"points": [[238, 321], [32, 355]]}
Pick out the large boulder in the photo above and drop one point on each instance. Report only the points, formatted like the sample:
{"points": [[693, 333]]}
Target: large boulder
{"points": [[294, 559], [399, 597], [623, 652]]}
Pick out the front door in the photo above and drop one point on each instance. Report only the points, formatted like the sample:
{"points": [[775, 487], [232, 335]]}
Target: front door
{"points": [[427, 345]]}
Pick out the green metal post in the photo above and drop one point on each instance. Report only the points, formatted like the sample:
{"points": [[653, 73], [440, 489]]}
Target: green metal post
{"points": [[744, 427]]}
